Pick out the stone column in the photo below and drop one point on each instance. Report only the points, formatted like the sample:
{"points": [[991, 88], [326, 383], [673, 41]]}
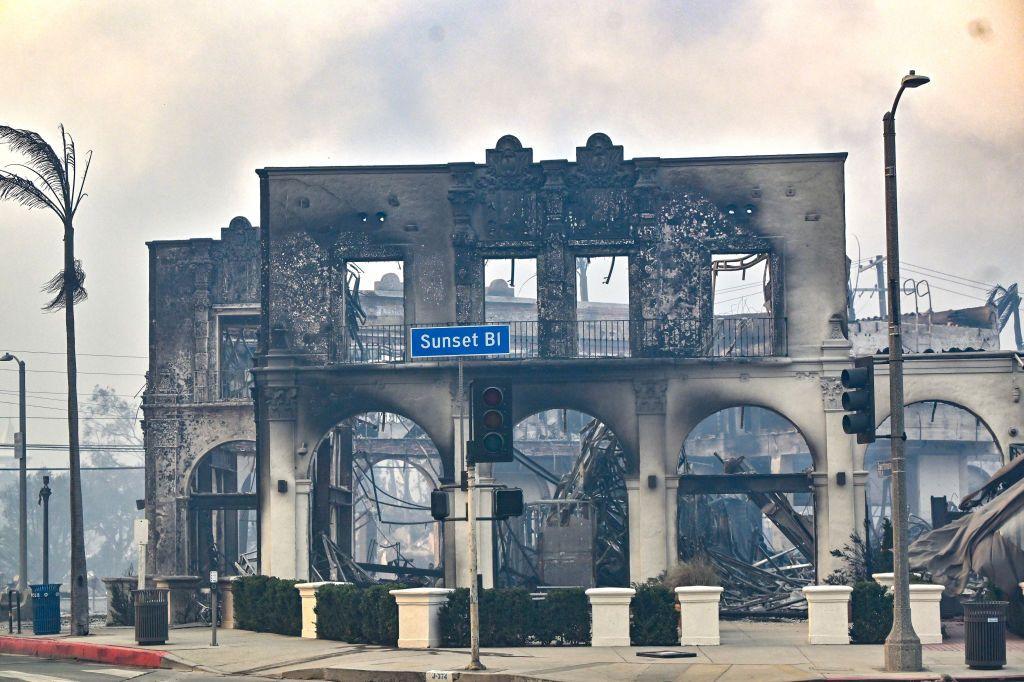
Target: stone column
{"points": [[307, 595], [226, 586], [698, 615], [828, 619], [648, 513], [860, 496], [419, 626], [278, 543], [838, 495], [609, 615], [925, 614], [303, 486], [672, 518]]}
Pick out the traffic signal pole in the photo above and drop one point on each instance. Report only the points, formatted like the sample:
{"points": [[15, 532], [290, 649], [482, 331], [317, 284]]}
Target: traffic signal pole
{"points": [[474, 592]]}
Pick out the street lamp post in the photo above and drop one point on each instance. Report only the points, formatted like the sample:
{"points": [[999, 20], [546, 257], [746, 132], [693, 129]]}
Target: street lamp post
{"points": [[902, 646], [20, 449]]}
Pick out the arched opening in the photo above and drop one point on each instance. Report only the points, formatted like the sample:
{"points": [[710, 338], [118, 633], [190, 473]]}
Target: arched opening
{"points": [[222, 528], [575, 527], [372, 475], [745, 504], [950, 452]]}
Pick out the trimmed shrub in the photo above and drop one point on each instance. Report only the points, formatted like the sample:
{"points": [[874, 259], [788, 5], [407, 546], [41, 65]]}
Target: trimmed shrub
{"points": [[563, 618], [510, 617], [267, 604], [696, 572], [653, 619], [357, 615], [871, 613]]}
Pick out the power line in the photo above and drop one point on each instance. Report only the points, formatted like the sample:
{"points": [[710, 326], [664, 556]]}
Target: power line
{"points": [[39, 394], [988, 285], [85, 355], [60, 447], [64, 371], [111, 468]]}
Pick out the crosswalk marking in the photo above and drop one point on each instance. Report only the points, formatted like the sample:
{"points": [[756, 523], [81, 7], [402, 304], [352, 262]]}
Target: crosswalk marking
{"points": [[29, 677], [123, 673]]}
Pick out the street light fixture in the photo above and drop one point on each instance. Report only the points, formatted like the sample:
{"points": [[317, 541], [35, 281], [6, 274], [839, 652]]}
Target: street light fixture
{"points": [[902, 646], [20, 452]]}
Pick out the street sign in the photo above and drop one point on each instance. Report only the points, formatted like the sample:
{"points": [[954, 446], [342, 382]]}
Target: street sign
{"points": [[446, 342], [19, 446]]}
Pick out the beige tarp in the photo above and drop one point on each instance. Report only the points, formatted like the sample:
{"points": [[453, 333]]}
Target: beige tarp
{"points": [[989, 541]]}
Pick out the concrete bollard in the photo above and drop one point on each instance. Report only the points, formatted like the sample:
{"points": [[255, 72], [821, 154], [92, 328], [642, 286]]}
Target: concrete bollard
{"points": [[307, 594], [226, 587], [609, 615], [828, 614], [181, 593], [886, 580], [925, 614], [419, 625], [698, 615]]}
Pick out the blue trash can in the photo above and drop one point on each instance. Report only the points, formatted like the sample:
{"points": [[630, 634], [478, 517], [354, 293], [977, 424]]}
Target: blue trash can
{"points": [[46, 609]]}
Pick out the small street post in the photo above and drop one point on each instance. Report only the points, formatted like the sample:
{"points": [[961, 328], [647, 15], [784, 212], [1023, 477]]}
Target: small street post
{"points": [[44, 499], [902, 646]]}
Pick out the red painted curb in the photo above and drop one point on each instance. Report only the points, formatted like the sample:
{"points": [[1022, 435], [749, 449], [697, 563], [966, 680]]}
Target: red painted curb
{"points": [[83, 651]]}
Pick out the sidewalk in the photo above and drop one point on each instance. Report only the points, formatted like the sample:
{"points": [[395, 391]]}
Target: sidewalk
{"points": [[750, 652]]}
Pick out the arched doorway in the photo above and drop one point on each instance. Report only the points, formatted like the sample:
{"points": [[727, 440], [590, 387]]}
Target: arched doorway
{"points": [[575, 528], [950, 452], [222, 510], [372, 475], [745, 504]]}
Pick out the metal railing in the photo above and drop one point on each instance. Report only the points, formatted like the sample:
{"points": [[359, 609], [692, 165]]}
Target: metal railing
{"points": [[230, 385], [722, 337]]}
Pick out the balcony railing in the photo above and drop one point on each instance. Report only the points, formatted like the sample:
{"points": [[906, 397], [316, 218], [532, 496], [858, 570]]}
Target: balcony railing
{"points": [[724, 337]]}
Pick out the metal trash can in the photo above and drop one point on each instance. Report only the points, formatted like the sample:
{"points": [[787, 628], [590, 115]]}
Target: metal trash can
{"points": [[150, 616], [46, 609], [985, 634]]}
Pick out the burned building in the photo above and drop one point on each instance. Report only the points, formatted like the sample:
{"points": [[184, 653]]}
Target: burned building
{"points": [[628, 407]]}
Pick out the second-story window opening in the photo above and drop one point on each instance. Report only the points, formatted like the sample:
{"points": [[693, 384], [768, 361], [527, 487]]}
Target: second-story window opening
{"points": [[236, 347], [602, 305], [742, 308], [510, 296], [374, 310]]}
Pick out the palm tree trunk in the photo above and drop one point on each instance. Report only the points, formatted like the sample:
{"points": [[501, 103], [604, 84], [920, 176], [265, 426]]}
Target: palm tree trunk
{"points": [[79, 581]]}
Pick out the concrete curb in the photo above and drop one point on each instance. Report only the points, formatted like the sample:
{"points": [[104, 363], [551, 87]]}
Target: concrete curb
{"points": [[353, 675], [42, 647]]}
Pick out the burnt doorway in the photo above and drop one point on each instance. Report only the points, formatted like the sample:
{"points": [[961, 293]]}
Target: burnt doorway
{"points": [[575, 528], [222, 511], [745, 505], [372, 475]]}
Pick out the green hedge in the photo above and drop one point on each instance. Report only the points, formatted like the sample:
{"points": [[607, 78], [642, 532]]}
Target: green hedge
{"points": [[871, 613], [653, 620], [266, 604], [357, 615], [510, 617]]}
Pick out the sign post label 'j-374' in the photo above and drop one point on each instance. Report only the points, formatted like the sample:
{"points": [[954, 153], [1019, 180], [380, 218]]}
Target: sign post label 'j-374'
{"points": [[440, 342]]}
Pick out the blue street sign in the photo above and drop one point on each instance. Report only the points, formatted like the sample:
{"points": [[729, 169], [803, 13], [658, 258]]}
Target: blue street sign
{"points": [[441, 342]]}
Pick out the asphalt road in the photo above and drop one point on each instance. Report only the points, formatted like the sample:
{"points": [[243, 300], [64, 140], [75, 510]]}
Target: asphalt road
{"points": [[29, 669]]}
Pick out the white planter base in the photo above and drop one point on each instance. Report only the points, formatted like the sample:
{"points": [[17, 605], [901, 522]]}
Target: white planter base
{"points": [[698, 615]]}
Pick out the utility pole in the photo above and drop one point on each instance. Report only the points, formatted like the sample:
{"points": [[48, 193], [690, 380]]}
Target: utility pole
{"points": [[902, 646], [20, 451]]}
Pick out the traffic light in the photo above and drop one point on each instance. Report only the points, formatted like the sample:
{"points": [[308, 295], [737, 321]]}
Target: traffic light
{"points": [[492, 423], [508, 502], [439, 505], [860, 400]]}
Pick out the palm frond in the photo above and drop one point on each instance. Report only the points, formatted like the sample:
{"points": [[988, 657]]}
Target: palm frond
{"points": [[70, 170], [76, 200], [57, 286], [40, 154], [23, 191]]}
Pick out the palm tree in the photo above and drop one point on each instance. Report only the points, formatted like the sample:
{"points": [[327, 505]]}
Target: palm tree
{"points": [[51, 180]]}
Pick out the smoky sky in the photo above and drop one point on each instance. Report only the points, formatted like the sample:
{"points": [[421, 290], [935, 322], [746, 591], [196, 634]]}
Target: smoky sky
{"points": [[182, 101]]}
